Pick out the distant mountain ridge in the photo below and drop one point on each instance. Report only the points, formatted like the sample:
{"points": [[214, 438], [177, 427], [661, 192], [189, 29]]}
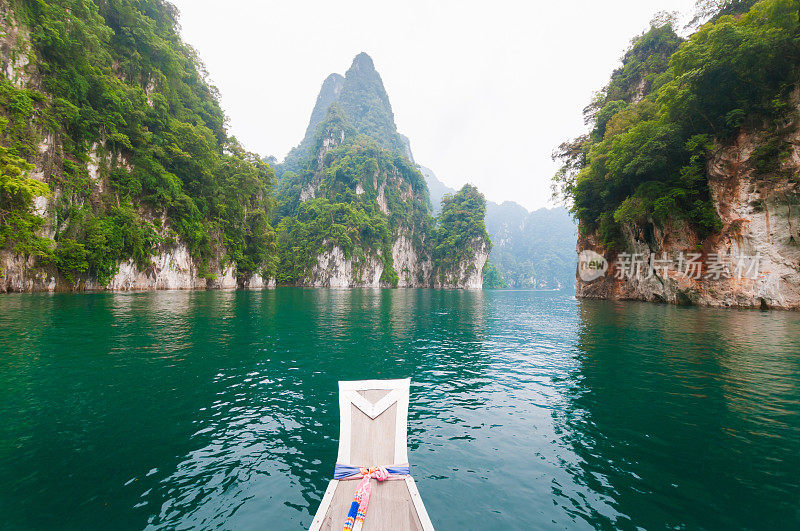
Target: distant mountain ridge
{"points": [[530, 249]]}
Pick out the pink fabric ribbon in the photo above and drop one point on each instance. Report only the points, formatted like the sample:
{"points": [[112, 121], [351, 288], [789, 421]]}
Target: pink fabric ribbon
{"points": [[358, 509]]}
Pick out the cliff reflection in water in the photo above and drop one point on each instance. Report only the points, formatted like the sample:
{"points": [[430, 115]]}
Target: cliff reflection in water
{"points": [[178, 409], [697, 407], [220, 409], [268, 422]]}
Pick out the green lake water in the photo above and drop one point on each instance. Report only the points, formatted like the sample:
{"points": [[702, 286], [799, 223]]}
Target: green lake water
{"points": [[178, 410]]}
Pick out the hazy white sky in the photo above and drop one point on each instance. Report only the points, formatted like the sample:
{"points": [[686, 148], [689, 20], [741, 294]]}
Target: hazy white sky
{"points": [[485, 90]]}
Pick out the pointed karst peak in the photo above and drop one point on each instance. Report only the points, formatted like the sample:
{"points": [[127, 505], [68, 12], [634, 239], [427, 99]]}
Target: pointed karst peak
{"points": [[328, 94], [362, 73], [362, 102], [363, 62], [333, 83]]}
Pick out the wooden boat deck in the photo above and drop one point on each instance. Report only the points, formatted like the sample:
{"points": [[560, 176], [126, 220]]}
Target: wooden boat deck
{"points": [[372, 432]]}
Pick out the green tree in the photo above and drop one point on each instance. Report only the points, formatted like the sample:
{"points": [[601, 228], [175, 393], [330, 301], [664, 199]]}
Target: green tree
{"points": [[461, 229], [492, 279], [656, 123], [18, 223], [124, 91]]}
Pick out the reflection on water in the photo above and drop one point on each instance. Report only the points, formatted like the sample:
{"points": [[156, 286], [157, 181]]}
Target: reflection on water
{"points": [[173, 410], [687, 416]]}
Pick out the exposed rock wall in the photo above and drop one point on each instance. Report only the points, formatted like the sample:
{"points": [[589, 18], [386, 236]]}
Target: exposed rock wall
{"points": [[761, 217], [335, 270], [15, 49], [20, 274], [257, 281], [171, 269], [412, 270], [469, 274]]}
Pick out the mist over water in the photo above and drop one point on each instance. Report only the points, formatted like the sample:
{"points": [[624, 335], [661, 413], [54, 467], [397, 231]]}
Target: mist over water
{"points": [[203, 409]]}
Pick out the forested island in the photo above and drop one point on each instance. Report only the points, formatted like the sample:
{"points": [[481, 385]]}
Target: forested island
{"points": [[530, 250], [118, 171], [694, 151], [194, 335]]}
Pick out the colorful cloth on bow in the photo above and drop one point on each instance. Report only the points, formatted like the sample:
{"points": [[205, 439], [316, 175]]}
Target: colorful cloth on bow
{"points": [[354, 472], [358, 509]]}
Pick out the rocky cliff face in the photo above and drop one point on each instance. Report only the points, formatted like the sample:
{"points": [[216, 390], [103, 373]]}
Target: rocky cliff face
{"points": [[758, 246], [335, 270], [530, 249], [469, 273], [412, 268], [170, 266], [353, 158], [691, 167]]}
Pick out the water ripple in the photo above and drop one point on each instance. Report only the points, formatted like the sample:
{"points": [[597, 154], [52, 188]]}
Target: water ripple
{"points": [[200, 410]]}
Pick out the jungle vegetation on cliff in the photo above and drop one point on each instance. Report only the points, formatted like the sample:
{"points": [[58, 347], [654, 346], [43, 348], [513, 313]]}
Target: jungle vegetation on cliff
{"points": [[110, 84], [351, 184], [669, 105], [113, 147]]}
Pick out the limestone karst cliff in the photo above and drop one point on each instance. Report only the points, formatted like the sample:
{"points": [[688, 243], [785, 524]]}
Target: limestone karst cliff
{"points": [[354, 208], [760, 215], [529, 249], [117, 171], [688, 184]]}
